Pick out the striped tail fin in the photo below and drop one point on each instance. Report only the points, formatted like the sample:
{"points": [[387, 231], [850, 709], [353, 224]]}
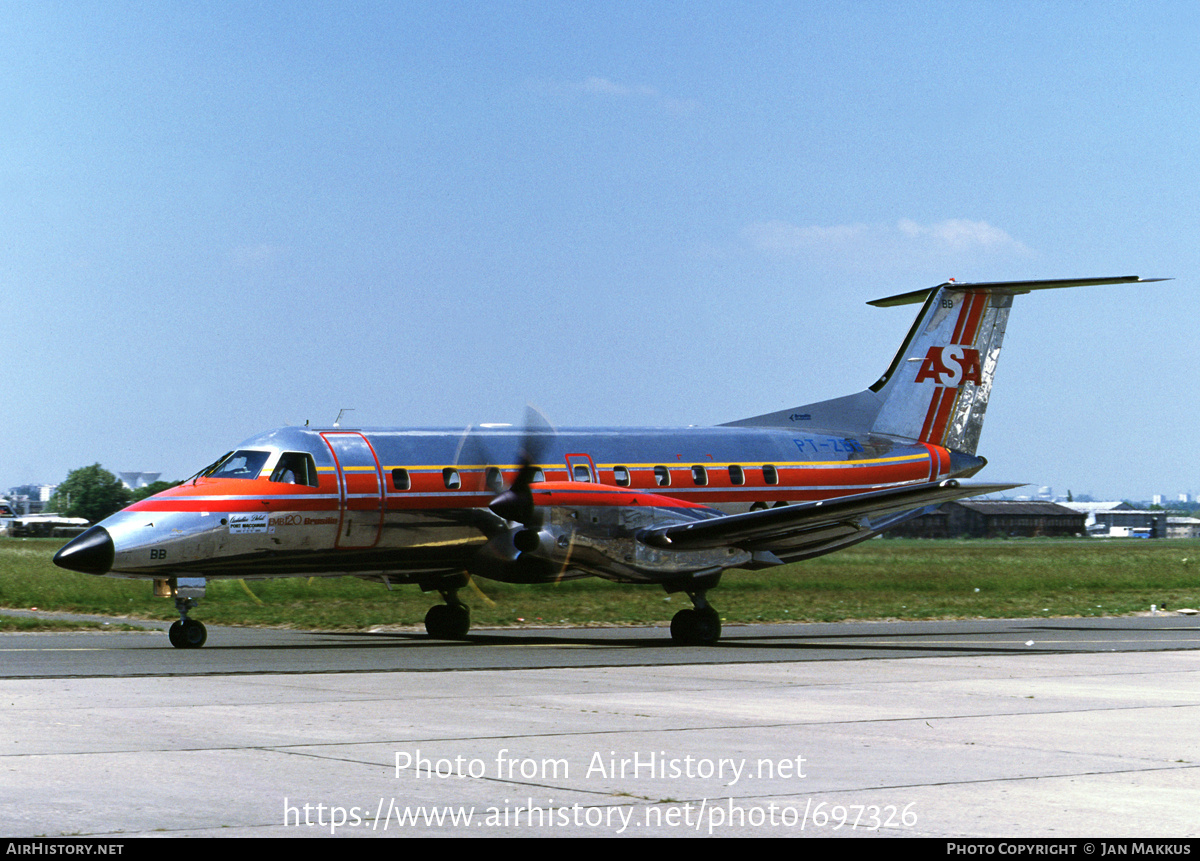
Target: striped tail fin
{"points": [[936, 389]]}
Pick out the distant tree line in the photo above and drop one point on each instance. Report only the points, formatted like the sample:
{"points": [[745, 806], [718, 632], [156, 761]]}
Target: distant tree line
{"points": [[93, 493]]}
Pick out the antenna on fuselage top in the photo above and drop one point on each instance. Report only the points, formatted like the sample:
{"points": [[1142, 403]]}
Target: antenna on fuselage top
{"points": [[337, 423]]}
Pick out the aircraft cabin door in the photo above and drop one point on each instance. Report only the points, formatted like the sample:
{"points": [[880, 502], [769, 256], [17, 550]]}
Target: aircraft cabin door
{"points": [[581, 468], [360, 488]]}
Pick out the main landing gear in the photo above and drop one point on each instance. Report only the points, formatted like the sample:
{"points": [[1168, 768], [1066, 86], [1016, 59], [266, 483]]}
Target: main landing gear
{"points": [[700, 626], [449, 621]]}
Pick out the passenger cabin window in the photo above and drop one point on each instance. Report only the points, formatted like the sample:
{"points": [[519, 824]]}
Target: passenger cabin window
{"points": [[582, 472], [621, 476], [736, 476], [451, 478], [662, 476], [494, 479], [295, 467], [239, 464], [700, 476], [770, 474], [400, 479]]}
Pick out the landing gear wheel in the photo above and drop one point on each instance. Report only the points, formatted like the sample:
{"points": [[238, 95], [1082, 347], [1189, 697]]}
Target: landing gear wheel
{"points": [[699, 627], [448, 621], [681, 625], [187, 634]]}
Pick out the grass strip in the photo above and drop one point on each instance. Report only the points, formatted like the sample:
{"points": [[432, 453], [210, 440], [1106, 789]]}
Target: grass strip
{"points": [[880, 579]]}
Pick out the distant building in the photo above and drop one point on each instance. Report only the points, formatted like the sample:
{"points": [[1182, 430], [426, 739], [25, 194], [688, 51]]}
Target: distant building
{"points": [[1092, 509], [1183, 527], [136, 480], [30, 498], [1125, 521], [994, 519]]}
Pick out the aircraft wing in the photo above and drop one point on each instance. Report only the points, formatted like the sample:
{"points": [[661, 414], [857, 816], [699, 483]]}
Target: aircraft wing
{"points": [[792, 531]]}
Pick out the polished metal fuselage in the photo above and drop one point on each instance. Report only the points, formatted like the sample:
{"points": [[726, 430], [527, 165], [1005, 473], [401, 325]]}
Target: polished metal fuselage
{"points": [[412, 505]]}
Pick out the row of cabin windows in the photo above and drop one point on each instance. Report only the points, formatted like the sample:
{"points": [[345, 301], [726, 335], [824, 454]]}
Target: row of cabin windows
{"points": [[494, 479], [737, 475]]}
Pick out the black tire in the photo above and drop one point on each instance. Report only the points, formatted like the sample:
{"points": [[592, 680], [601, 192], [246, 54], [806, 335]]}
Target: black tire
{"points": [[448, 621], [194, 634], [696, 627], [708, 627], [188, 634]]}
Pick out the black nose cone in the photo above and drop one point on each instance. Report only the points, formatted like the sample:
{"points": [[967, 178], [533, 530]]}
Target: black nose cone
{"points": [[92, 552]]}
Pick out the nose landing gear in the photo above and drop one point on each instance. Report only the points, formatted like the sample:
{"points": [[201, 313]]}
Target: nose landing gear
{"points": [[186, 633]]}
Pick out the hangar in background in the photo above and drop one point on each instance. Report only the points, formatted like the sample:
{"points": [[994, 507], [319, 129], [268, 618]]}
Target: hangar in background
{"points": [[1042, 519], [995, 519]]}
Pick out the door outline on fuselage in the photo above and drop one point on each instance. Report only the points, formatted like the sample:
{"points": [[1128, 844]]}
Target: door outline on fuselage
{"points": [[360, 510], [579, 459]]}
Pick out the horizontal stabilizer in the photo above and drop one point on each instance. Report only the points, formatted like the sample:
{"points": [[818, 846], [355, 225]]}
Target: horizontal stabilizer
{"points": [[756, 530], [1010, 288]]}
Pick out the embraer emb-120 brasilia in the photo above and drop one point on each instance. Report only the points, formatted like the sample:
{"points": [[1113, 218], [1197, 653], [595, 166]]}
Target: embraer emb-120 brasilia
{"points": [[675, 507]]}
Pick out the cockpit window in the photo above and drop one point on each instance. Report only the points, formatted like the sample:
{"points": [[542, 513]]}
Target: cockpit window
{"points": [[239, 464], [295, 467], [208, 469]]}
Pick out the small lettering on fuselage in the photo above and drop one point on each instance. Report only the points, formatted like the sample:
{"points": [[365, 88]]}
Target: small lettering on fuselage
{"points": [[824, 445], [301, 520], [241, 524]]}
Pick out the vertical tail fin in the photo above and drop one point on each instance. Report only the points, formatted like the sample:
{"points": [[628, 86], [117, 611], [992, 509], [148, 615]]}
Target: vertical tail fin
{"points": [[936, 389]]}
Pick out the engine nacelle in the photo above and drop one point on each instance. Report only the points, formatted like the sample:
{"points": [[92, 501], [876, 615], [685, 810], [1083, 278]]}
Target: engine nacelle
{"points": [[521, 555], [600, 541]]}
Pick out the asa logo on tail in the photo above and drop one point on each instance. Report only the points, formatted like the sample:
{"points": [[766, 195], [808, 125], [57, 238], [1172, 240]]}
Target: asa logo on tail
{"points": [[953, 366]]}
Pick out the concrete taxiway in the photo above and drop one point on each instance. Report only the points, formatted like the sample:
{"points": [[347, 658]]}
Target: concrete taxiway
{"points": [[1050, 728]]}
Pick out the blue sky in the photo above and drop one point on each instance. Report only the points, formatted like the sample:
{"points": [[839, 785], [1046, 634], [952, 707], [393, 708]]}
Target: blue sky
{"points": [[220, 218]]}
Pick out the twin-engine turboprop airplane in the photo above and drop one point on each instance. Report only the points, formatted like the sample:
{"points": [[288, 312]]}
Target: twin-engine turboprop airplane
{"points": [[674, 507]]}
